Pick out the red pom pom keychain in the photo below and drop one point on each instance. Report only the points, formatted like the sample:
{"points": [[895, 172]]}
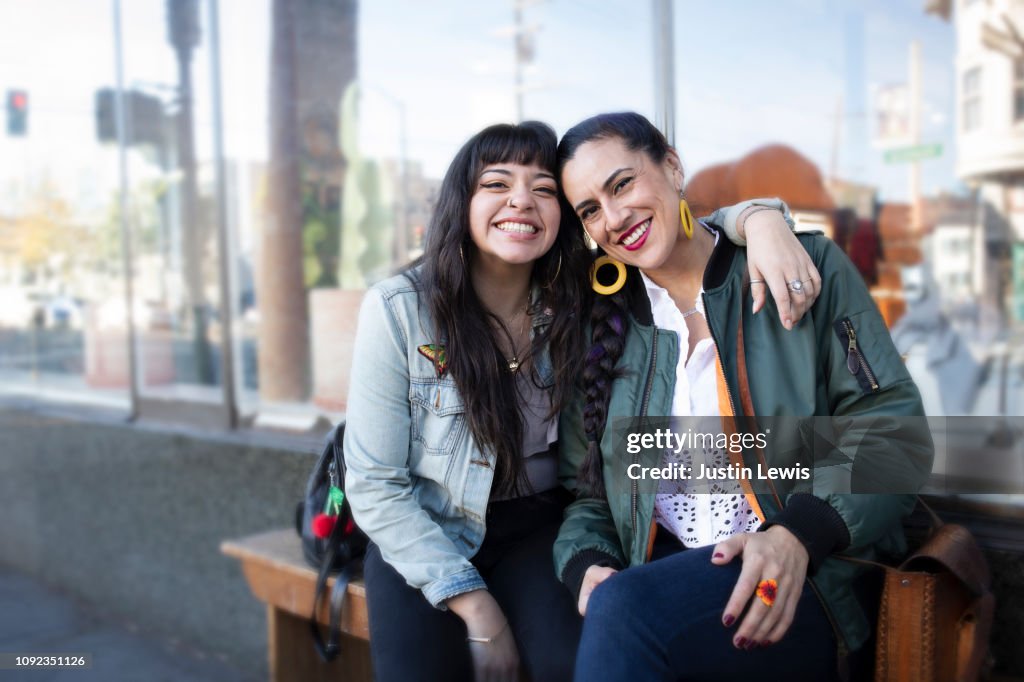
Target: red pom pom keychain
{"points": [[323, 525]]}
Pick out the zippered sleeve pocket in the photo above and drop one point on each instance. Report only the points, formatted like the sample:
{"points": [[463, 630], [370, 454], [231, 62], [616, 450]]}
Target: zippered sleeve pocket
{"points": [[856, 361]]}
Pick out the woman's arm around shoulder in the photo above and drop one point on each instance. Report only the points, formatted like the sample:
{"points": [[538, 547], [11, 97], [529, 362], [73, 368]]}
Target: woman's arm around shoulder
{"points": [[777, 262]]}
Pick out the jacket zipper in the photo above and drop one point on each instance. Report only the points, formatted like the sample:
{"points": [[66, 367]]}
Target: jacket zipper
{"points": [[840, 640], [648, 386], [855, 360], [718, 354]]}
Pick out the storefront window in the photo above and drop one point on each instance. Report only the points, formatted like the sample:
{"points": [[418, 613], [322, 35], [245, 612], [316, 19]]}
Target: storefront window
{"points": [[277, 157], [63, 322], [172, 181]]}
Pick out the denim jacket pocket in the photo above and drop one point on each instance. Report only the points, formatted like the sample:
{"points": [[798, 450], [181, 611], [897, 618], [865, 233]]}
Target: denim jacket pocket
{"points": [[438, 415]]}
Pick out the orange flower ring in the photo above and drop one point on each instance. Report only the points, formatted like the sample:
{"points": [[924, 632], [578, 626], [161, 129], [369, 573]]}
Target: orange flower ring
{"points": [[766, 591]]}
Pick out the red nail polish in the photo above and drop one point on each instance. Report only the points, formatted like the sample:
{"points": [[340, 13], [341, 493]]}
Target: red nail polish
{"points": [[741, 642], [751, 645], [766, 643], [718, 555], [729, 619]]}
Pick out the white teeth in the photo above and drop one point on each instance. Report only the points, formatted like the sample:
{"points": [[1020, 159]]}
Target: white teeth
{"points": [[636, 234], [521, 228]]}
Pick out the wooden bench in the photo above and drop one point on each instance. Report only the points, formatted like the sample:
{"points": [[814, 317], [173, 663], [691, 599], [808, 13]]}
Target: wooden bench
{"points": [[279, 576]]}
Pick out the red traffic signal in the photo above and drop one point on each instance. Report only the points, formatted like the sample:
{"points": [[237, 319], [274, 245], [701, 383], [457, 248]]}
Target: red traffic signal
{"points": [[17, 113]]}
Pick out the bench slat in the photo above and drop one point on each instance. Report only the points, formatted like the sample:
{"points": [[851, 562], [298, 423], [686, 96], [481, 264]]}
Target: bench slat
{"points": [[277, 574]]}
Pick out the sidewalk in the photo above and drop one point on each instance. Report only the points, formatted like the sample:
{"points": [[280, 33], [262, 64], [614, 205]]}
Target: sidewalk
{"points": [[35, 619]]}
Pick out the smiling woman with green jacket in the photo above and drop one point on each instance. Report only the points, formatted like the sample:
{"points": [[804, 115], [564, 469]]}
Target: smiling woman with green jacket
{"points": [[668, 600]]}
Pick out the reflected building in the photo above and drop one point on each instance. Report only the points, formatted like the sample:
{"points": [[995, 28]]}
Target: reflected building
{"points": [[989, 68]]}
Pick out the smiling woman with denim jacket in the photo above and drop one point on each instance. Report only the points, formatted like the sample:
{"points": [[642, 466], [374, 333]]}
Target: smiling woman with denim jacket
{"points": [[461, 365]]}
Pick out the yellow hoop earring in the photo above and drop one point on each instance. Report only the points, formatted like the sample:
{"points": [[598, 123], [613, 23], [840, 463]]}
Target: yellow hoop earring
{"points": [[607, 289], [686, 217]]}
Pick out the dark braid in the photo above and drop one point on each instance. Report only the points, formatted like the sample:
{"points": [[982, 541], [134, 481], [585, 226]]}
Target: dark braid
{"points": [[608, 314], [608, 339]]}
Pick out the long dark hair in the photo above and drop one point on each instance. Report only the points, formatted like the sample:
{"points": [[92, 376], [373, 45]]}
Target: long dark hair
{"points": [[475, 359], [608, 314]]}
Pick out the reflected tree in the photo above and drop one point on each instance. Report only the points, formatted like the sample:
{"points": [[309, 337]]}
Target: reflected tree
{"points": [[313, 58]]}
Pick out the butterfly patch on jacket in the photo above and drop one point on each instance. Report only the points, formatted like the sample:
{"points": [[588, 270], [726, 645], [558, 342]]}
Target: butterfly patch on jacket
{"points": [[435, 352]]}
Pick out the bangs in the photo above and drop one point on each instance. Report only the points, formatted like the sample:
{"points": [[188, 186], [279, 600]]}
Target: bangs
{"points": [[528, 144]]}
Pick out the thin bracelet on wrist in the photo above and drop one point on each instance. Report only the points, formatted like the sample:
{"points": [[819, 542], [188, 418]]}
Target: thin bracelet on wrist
{"points": [[488, 640], [751, 211]]}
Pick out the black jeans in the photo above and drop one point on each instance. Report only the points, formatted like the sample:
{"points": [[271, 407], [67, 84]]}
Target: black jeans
{"points": [[411, 640]]}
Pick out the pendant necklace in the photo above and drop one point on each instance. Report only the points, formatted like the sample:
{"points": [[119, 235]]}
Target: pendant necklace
{"points": [[513, 362]]}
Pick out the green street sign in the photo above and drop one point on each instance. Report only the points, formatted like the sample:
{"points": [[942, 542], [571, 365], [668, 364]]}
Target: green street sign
{"points": [[915, 153]]}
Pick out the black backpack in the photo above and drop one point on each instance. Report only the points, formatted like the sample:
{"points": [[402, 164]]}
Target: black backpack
{"points": [[339, 546]]}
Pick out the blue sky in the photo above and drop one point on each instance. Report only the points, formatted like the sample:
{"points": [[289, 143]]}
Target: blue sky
{"points": [[748, 73]]}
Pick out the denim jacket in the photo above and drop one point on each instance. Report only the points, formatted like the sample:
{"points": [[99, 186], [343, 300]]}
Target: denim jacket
{"points": [[417, 482]]}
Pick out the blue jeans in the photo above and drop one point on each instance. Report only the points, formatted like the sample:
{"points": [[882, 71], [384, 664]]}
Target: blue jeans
{"points": [[663, 621]]}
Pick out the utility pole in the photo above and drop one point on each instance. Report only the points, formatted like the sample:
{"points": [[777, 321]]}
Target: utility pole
{"points": [[523, 36], [183, 35], [915, 136], [518, 10], [127, 256], [664, 69], [228, 368]]}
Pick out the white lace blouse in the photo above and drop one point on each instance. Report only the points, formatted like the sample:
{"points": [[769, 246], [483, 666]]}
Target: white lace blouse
{"points": [[697, 514]]}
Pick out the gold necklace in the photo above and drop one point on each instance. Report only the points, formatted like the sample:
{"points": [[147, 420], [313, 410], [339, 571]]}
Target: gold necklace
{"points": [[513, 362]]}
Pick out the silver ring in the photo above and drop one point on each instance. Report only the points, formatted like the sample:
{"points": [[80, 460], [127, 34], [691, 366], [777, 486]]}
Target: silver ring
{"points": [[757, 281], [796, 285]]}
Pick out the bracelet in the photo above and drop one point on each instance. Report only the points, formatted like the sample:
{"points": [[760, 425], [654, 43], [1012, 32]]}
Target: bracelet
{"points": [[751, 211], [488, 640]]}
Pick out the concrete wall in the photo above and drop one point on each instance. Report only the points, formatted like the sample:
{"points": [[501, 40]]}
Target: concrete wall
{"points": [[129, 517]]}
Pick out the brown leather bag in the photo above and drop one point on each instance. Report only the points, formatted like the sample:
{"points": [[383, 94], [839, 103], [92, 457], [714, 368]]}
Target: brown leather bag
{"points": [[936, 611]]}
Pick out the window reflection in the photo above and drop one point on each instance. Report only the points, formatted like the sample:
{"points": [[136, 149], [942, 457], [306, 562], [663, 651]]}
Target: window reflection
{"points": [[338, 119]]}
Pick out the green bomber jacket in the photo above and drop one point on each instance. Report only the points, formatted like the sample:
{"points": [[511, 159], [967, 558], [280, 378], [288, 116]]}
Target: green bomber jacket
{"points": [[838, 361]]}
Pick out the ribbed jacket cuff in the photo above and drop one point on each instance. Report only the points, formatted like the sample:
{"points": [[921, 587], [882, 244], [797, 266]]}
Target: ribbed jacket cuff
{"points": [[816, 524], [572, 574]]}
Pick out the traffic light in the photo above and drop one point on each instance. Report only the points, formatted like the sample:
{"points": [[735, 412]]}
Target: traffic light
{"points": [[145, 119], [17, 113]]}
